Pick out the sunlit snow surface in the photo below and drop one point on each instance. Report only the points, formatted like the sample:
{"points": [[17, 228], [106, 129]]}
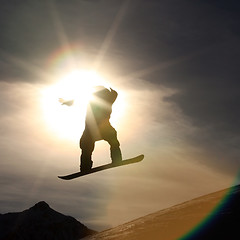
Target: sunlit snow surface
{"points": [[194, 219]]}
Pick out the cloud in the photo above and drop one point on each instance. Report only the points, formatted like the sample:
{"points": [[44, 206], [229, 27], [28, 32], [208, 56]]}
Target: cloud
{"points": [[205, 84], [31, 159], [178, 64]]}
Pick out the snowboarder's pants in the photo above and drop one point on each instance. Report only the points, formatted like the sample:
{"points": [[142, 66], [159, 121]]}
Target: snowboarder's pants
{"points": [[87, 144]]}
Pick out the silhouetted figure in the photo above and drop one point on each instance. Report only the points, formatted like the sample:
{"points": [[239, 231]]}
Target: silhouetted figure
{"points": [[98, 127]]}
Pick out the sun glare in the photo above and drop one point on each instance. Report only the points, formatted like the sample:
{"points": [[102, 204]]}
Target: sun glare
{"points": [[68, 121]]}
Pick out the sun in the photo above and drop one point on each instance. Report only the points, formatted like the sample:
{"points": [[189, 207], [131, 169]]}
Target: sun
{"points": [[68, 121]]}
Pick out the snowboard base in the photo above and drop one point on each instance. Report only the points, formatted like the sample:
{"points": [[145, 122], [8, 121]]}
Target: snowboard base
{"points": [[103, 167]]}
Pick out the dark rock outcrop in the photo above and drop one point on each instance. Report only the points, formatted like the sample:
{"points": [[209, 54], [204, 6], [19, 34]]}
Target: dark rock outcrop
{"points": [[41, 222]]}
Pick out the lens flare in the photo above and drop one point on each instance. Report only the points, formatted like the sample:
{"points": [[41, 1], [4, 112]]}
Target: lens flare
{"points": [[64, 103], [213, 216]]}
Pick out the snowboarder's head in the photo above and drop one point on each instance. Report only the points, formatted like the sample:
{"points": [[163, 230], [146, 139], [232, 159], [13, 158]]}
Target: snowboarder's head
{"points": [[101, 92]]}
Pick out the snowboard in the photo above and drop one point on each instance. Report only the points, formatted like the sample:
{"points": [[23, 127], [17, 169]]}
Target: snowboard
{"points": [[103, 167]]}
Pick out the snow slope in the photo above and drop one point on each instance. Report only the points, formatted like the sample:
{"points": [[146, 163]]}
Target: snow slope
{"points": [[218, 214]]}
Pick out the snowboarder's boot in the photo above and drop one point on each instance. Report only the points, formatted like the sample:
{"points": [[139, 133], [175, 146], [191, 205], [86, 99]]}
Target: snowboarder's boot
{"points": [[85, 164], [116, 155]]}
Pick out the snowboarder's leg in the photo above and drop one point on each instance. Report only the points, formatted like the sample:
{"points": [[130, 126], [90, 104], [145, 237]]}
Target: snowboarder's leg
{"points": [[110, 135], [87, 145], [116, 154]]}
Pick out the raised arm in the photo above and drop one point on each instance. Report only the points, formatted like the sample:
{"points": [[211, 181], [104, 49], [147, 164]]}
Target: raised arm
{"points": [[66, 102]]}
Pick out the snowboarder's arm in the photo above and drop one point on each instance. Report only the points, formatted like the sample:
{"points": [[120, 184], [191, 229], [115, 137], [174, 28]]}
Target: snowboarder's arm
{"points": [[66, 102]]}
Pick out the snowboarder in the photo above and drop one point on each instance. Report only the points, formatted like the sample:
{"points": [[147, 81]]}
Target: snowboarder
{"points": [[98, 127]]}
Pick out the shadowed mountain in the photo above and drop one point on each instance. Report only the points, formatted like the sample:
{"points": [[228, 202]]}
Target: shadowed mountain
{"points": [[213, 216], [41, 222]]}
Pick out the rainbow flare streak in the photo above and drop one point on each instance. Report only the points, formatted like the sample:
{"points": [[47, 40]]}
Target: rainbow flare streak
{"points": [[212, 218], [66, 58]]}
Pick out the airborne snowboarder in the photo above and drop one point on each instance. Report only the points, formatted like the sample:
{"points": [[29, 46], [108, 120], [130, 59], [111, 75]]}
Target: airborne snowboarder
{"points": [[98, 127]]}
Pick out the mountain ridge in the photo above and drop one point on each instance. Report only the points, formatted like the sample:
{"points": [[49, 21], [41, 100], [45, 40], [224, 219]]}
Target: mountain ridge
{"points": [[41, 222]]}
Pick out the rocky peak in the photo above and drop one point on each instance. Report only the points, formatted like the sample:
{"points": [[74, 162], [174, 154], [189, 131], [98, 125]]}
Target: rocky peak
{"points": [[41, 206], [41, 222]]}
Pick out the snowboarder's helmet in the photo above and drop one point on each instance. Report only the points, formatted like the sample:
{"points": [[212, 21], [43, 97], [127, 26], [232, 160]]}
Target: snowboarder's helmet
{"points": [[101, 92]]}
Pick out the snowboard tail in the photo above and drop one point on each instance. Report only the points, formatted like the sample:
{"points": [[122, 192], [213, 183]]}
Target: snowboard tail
{"points": [[104, 167]]}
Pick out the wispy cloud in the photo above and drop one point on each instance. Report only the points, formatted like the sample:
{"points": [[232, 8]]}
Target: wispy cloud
{"points": [[181, 111]]}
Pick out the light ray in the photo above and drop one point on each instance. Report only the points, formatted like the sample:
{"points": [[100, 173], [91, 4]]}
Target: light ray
{"points": [[63, 39], [110, 35], [162, 65], [156, 67], [25, 65]]}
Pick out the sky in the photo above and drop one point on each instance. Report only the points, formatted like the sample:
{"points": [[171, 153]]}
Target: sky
{"points": [[175, 66]]}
